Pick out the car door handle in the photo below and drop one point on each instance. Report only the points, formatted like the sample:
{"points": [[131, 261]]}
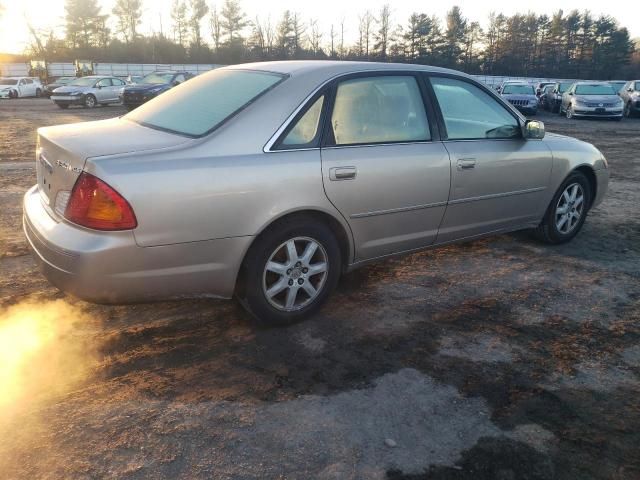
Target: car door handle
{"points": [[342, 173], [466, 163]]}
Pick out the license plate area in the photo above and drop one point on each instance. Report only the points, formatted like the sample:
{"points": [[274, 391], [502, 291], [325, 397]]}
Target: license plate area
{"points": [[44, 171], [600, 110]]}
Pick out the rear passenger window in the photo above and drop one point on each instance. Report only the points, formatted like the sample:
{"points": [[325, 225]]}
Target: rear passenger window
{"points": [[305, 130], [379, 110], [471, 113]]}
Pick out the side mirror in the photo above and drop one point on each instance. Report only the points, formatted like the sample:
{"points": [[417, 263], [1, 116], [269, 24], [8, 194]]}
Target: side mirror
{"points": [[534, 129], [570, 93], [630, 89]]}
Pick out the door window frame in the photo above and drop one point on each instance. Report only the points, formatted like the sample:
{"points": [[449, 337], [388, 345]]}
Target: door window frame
{"points": [[440, 117], [329, 89], [328, 140]]}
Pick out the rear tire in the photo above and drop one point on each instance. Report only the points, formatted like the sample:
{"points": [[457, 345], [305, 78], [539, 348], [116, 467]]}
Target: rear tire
{"points": [[290, 271], [565, 215]]}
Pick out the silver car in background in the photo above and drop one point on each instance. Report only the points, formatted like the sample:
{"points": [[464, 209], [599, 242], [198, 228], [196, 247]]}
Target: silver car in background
{"points": [[89, 91], [270, 180], [553, 97], [591, 99], [630, 95]]}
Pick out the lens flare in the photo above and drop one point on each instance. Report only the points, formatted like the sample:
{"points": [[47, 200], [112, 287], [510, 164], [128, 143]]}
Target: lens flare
{"points": [[39, 353]]}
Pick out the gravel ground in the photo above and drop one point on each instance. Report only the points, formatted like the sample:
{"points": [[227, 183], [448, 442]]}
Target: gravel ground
{"points": [[497, 359]]}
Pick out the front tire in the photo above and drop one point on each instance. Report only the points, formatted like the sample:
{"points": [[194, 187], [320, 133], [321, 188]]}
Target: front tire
{"points": [[290, 271], [567, 211], [90, 101], [569, 112]]}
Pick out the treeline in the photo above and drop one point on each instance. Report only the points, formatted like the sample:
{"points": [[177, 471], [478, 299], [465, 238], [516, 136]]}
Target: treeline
{"points": [[573, 45]]}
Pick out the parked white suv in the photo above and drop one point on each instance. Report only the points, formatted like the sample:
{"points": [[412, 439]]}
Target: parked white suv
{"points": [[16, 87]]}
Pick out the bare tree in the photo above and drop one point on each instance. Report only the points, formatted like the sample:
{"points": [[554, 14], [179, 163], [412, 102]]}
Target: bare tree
{"points": [[129, 15], [216, 27], [315, 36], [382, 35], [365, 27], [179, 18], [198, 9]]}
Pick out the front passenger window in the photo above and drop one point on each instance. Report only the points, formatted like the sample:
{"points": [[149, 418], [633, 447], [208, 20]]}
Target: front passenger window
{"points": [[471, 113]]}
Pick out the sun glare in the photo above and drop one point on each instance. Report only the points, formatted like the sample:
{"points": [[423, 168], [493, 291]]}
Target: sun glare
{"points": [[38, 352]]}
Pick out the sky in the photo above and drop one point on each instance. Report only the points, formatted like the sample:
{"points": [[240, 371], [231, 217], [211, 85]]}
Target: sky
{"points": [[46, 14]]}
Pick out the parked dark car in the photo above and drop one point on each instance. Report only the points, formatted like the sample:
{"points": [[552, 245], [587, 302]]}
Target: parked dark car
{"points": [[151, 86], [57, 82], [540, 87], [617, 85], [553, 98], [630, 95]]}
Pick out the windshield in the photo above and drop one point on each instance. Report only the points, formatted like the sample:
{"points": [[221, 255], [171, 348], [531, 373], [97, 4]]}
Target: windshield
{"points": [[595, 89], [563, 87], [8, 81], [518, 89], [158, 78], [197, 107], [83, 82]]}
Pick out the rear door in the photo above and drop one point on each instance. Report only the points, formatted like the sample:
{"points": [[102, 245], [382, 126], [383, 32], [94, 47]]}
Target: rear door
{"points": [[117, 85], [498, 178], [382, 165]]}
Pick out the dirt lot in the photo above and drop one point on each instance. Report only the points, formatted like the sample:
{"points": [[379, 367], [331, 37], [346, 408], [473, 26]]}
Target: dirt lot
{"points": [[498, 359]]}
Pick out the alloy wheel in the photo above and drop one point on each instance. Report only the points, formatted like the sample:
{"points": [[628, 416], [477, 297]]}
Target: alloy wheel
{"points": [[295, 274], [570, 208]]}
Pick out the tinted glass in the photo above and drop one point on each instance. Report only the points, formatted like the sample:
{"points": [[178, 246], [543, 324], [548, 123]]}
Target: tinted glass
{"points": [[158, 78], [305, 130], [105, 82], [563, 87], [595, 89], [471, 113], [379, 110], [196, 107], [518, 89], [117, 82], [83, 82]]}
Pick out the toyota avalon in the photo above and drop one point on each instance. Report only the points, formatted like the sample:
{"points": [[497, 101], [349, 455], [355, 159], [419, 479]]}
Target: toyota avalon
{"points": [[267, 181]]}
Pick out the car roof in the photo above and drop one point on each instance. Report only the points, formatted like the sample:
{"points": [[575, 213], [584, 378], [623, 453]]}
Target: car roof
{"points": [[334, 67]]}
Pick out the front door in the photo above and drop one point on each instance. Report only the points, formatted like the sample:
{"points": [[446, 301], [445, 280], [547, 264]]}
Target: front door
{"points": [[380, 167], [498, 178]]}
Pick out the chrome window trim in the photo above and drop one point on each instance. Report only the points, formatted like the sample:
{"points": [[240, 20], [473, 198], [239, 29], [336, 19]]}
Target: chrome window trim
{"points": [[274, 138]]}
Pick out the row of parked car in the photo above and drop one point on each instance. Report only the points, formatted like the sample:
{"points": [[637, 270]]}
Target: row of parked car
{"points": [[94, 90], [614, 100]]}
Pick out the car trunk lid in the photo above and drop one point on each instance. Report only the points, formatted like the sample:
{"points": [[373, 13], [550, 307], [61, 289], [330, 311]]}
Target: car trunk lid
{"points": [[63, 150]]}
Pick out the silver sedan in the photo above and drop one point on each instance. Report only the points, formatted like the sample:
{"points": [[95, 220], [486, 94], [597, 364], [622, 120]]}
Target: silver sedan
{"points": [[592, 99], [269, 180]]}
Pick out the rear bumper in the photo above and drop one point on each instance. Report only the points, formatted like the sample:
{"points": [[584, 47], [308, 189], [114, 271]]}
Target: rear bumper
{"points": [[109, 267]]}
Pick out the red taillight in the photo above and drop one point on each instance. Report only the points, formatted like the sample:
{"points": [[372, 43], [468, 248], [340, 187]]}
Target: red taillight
{"points": [[94, 204]]}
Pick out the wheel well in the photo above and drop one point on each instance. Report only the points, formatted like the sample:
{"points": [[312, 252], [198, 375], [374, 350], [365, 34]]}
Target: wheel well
{"points": [[335, 226], [591, 176]]}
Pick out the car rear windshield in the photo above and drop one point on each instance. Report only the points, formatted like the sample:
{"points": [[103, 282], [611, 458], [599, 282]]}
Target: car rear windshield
{"points": [[518, 89], [158, 78], [8, 81], [198, 106], [595, 90]]}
